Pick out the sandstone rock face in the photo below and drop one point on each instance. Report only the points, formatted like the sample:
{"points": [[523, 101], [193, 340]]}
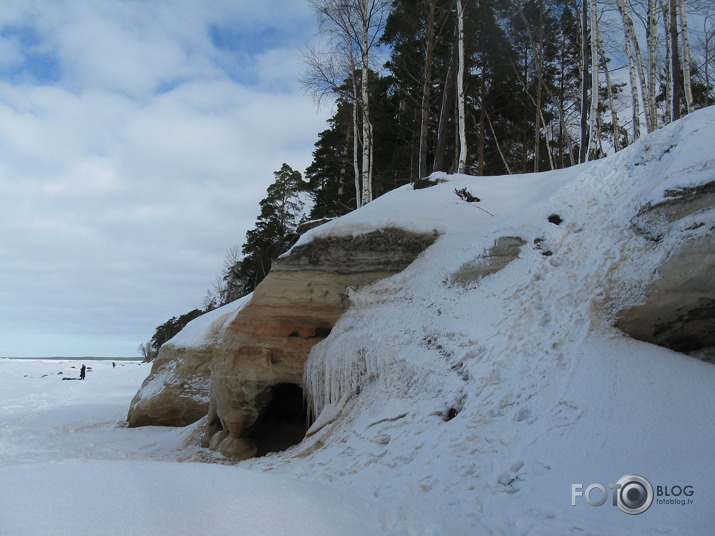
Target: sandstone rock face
{"points": [[176, 392], [504, 251], [678, 310], [296, 306]]}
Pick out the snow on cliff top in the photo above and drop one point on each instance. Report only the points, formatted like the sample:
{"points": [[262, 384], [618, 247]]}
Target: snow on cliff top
{"points": [[205, 329]]}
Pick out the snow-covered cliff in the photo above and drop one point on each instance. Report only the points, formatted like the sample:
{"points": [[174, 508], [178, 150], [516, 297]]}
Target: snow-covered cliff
{"points": [[473, 389]]}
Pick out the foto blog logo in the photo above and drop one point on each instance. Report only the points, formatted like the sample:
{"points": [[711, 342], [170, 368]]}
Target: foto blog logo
{"points": [[633, 494]]}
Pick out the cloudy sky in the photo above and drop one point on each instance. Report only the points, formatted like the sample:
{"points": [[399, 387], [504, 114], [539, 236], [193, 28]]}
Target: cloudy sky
{"points": [[136, 139]]}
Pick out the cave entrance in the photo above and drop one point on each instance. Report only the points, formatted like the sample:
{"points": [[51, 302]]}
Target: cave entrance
{"points": [[282, 423]]}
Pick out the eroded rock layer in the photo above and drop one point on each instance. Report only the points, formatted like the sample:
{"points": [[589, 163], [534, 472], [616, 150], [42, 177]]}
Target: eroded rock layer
{"points": [[176, 392], [292, 309], [678, 308]]}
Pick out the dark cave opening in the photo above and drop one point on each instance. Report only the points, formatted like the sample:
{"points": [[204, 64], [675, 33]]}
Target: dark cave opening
{"points": [[282, 423]]}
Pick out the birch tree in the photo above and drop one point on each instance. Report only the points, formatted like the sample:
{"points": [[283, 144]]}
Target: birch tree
{"points": [[353, 28], [594, 131], [426, 88], [665, 8], [461, 112], [674, 60], [628, 39], [609, 86], [334, 72], [652, 38], [686, 58], [583, 153]]}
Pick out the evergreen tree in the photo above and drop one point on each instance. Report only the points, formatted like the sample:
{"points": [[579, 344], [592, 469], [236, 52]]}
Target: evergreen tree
{"points": [[420, 34], [275, 228], [330, 180], [166, 332]]}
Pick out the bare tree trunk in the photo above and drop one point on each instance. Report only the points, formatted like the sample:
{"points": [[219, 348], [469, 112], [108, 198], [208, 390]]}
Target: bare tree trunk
{"points": [[627, 30], [371, 160], [366, 138], [611, 98], [350, 25], [496, 142], [583, 151], [594, 135], [547, 142], [538, 58], [560, 105], [482, 126], [426, 87], [675, 59], [461, 114], [652, 36], [709, 35], [343, 168], [686, 58], [643, 82], [356, 146], [371, 18], [541, 120], [447, 99], [665, 8], [538, 48]]}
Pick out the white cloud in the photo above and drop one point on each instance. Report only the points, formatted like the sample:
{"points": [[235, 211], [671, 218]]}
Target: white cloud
{"points": [[127, 173]]}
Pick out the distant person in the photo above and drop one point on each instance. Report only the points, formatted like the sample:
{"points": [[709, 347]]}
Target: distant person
{"points": [[114, 365], [81, 372]]}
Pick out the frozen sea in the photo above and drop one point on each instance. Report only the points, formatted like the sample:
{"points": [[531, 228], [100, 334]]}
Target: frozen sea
{"points": [[70, 466]]}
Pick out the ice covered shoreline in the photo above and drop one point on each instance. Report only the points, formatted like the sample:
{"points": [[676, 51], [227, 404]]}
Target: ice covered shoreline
{"points": [[69, 466]]}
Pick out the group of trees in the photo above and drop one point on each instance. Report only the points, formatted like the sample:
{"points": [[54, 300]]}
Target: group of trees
{"points": [[274, 233], [244, 267], [497, 86], [484, 87], [149, 350]]}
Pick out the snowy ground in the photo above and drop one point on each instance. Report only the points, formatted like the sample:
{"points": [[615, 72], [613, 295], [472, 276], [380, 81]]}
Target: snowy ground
{"points": [[69, 467]]}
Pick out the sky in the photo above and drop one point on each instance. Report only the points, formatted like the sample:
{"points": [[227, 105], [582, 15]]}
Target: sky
{"points": [[137, 138]]}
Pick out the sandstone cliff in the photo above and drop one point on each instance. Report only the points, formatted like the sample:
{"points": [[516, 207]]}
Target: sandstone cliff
{"points": [[678, 304], [248, 354], [296, 306]]}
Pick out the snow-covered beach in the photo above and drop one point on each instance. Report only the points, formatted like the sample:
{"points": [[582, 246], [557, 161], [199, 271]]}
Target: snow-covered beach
{"points": [[69, 466]]}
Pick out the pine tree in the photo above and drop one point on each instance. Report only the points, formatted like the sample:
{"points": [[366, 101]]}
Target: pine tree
{"points": [[275, 228], [329, 177]]}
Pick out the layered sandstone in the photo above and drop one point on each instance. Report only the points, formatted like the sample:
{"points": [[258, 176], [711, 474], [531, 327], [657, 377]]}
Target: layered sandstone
{"points": [[678, 306], [296, 306], [176, 392]]}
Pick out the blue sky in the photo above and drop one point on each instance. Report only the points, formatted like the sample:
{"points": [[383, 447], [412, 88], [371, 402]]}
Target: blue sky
{"points": [[136, 140]]}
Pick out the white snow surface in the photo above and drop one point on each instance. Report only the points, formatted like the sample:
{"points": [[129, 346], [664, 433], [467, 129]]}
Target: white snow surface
{"points": [[69, 466], [442, 408], [205, 329]]}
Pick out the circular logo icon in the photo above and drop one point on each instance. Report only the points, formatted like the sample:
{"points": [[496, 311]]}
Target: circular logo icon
{"points": [[635, 494]]}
